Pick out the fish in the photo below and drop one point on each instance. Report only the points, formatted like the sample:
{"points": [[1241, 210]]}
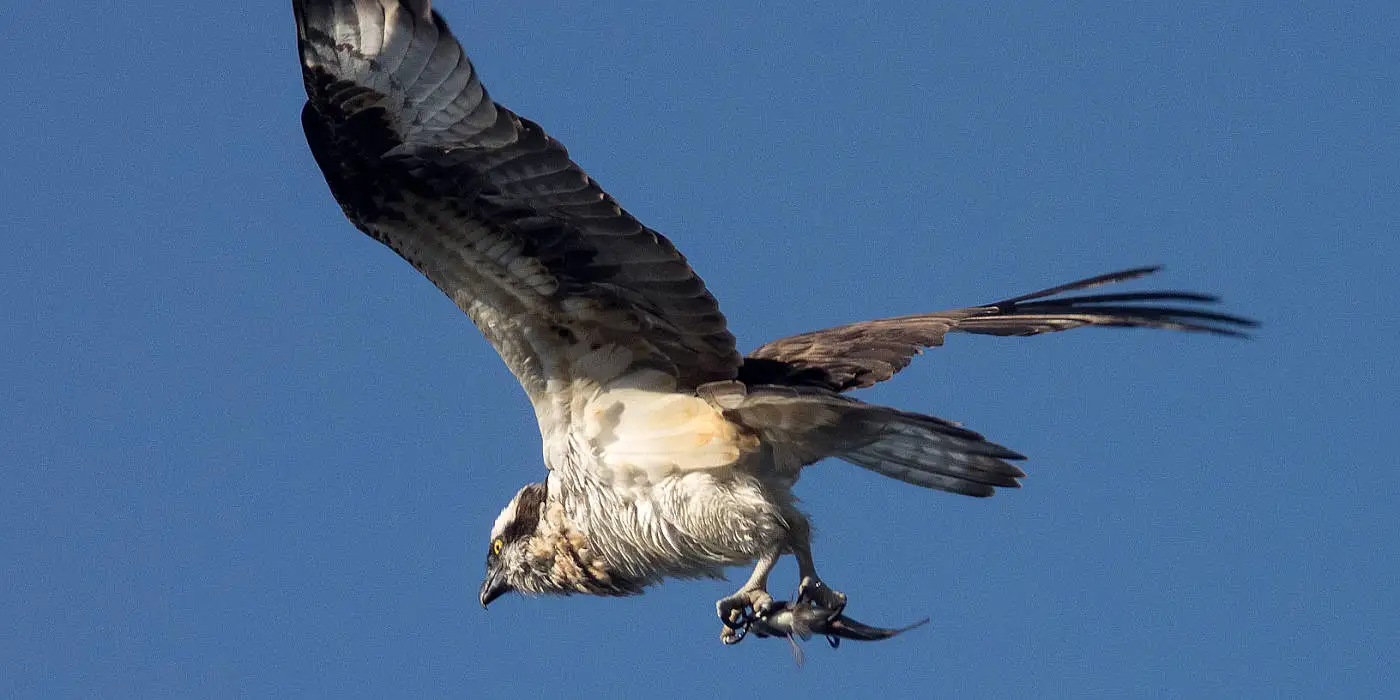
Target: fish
{"points": [[802, 620]]}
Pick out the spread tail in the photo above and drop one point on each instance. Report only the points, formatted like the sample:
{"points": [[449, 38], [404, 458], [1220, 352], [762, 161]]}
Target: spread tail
{"points": [[932, 452], [809, 424]]}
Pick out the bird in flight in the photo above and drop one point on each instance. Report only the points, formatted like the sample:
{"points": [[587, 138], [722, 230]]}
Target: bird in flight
{"points": [[670, 454]]}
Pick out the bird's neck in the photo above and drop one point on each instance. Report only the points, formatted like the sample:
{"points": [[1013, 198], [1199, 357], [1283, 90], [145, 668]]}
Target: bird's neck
{"points": [[566, 561]]}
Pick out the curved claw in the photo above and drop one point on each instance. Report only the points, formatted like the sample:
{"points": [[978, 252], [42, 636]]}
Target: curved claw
{"points": [[733, 613], [821, 596], [736, 619], [739, 610]]}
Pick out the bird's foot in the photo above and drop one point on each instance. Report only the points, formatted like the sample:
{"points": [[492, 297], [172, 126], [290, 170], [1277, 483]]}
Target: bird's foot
{"points": [[743, 606], [812, 591], [738, 611]]}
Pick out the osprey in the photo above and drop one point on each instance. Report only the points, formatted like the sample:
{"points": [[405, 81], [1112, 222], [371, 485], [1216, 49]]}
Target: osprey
{"points": [[670, 454]]}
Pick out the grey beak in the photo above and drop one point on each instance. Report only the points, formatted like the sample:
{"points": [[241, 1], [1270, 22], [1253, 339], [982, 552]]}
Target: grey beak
{"points": [[493, 587]]}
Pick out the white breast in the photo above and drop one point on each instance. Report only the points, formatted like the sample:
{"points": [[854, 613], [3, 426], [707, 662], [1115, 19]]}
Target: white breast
{"points": [[641, 433]]}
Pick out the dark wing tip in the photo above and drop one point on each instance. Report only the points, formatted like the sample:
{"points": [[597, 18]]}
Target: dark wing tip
{"points": [[1095, 281], [1123, 309]]}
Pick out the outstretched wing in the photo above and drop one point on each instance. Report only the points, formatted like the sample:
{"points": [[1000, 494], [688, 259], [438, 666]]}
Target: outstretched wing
{"points": [[859, 355], [562, 281]]}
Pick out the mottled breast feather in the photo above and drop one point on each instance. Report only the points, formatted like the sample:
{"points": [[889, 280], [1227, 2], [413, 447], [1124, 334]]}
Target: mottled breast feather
{"points": [[488, 206]]}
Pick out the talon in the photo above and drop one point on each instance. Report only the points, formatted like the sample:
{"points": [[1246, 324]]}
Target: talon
{"points": [[732, 617], [736, 619], [762, 608], [731, 612], [733, 635], [821, 597], [836, 601], [740, 609]]}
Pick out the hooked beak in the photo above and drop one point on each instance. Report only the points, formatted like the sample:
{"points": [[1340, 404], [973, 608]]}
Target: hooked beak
{"points": [[493, 587]]}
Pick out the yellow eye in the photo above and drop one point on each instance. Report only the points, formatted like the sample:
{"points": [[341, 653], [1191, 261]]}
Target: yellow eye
{"points": [[496, 546]]}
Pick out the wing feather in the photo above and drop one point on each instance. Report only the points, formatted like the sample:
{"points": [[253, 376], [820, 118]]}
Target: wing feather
{"points": [[488, 206], [859, 355]]}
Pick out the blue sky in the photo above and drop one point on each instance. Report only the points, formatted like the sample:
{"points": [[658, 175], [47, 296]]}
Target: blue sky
{"points": [[248, 451]]}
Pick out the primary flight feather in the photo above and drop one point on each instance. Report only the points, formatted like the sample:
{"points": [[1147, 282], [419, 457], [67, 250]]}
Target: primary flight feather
{"points": [[669, 454]]}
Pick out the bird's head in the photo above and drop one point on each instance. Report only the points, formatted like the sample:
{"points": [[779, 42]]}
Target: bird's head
{"points": [[535, 548], [513, 558]]}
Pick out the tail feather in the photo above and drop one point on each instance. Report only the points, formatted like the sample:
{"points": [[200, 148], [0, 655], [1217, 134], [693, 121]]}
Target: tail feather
{"points": [[806, 425], [933, 453], [981, 470]]}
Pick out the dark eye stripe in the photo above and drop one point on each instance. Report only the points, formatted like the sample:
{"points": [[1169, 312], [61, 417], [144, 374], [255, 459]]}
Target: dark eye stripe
{"points": [[527, 513]]}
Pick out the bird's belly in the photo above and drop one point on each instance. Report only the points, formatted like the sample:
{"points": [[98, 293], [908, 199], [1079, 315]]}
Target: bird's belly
{"points": [[663, 484], [690, 525]]}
